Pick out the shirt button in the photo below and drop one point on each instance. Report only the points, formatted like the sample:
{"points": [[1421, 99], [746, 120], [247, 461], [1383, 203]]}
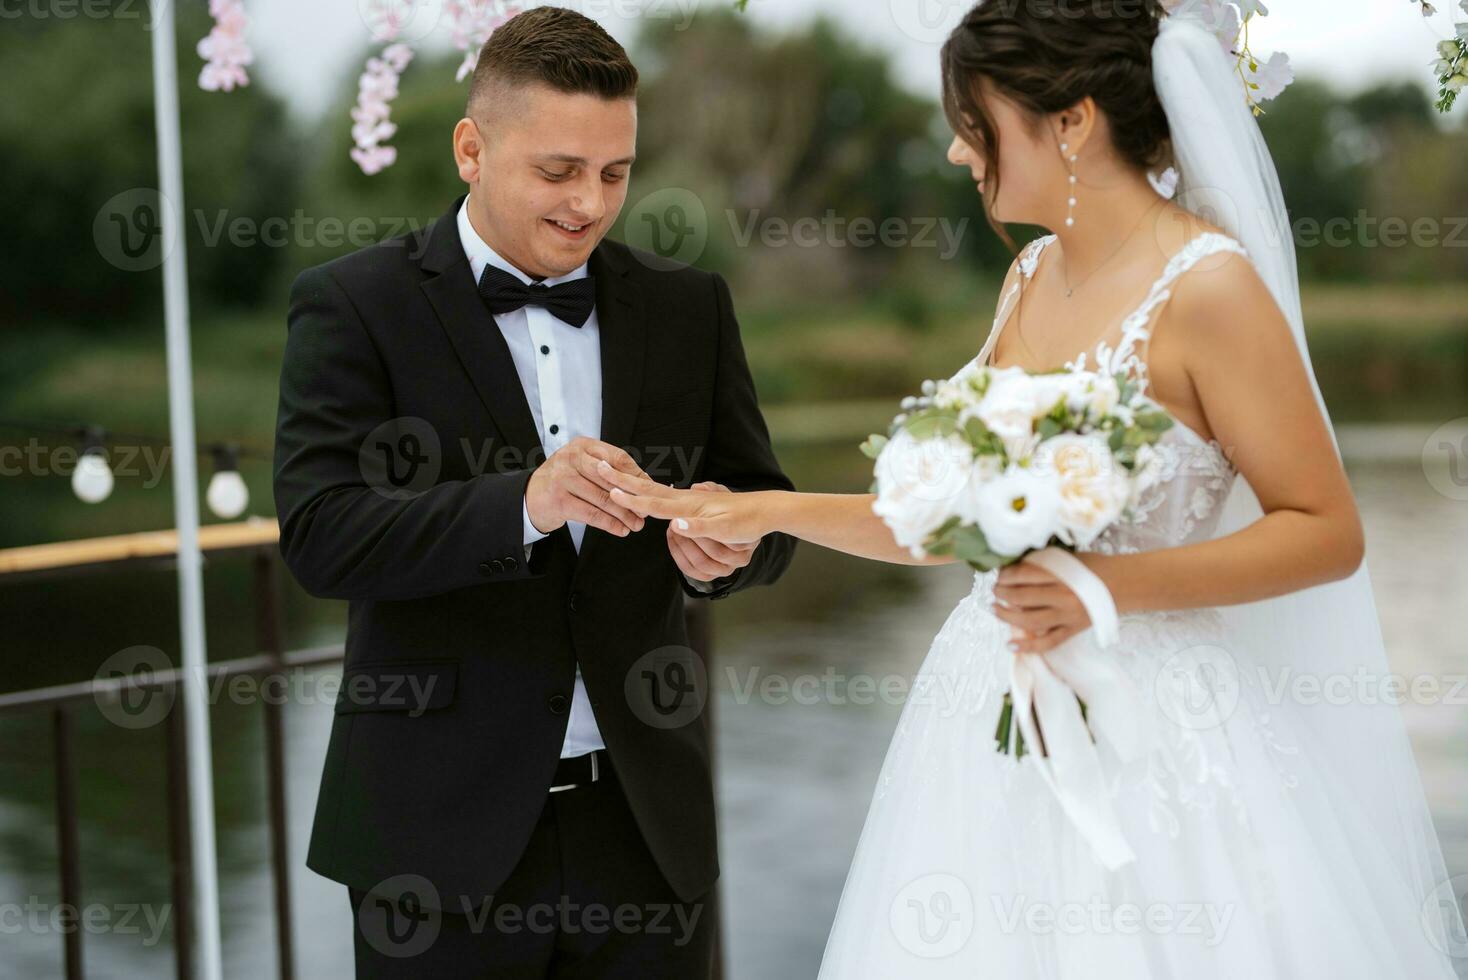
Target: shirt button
{"points": [[558, 704], [554, 429], [544, 349]]}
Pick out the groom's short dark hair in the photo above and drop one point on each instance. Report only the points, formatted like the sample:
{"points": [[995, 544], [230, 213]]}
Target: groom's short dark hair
{"points": [[551, 46]]}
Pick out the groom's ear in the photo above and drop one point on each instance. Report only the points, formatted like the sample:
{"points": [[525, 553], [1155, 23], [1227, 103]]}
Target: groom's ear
{"points": [[468, 150]]}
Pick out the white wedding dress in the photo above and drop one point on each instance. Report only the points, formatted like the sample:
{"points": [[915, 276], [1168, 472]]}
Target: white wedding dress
{"points": [[1248, 866]]}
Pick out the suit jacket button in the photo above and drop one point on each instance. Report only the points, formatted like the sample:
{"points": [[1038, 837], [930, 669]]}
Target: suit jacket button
{"points": [[497, 566], [511, 564], [572, 602], [559, 704], [485, 568]]}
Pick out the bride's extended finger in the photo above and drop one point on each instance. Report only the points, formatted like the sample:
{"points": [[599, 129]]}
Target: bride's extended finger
{"points": [[608, 476], [666, 508]]}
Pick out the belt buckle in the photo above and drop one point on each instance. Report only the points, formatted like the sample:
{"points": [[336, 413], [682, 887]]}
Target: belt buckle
{"points": [[595, 775]]}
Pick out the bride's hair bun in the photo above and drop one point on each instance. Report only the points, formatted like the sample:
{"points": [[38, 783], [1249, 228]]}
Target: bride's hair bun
{"points": [[1046, 55]]}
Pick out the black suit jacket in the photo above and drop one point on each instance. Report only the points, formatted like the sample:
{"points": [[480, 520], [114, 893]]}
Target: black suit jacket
{"points": [[403, 447]]}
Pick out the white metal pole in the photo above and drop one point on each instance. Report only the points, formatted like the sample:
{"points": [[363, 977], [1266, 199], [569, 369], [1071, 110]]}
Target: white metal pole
{"points": [[194, 690]]}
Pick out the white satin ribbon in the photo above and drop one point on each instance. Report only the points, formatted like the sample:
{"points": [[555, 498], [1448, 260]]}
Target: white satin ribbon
{"points": [[1051, 682]]}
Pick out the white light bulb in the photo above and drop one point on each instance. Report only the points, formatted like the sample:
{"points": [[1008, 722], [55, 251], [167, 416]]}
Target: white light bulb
{"points": [[91, 481], [227, 495]]}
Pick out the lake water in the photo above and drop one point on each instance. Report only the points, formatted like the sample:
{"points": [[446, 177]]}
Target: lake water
{"points": [[795, 771]]}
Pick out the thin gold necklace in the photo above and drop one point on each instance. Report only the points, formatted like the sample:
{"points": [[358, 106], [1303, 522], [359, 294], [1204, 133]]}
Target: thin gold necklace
{"points": [[1064, 268]]}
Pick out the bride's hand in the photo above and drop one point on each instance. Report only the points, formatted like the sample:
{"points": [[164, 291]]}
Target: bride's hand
{"points": [[1042, 609], [728, 518]]}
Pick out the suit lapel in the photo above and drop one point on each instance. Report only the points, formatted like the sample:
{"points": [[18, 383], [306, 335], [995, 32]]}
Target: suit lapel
{"points": [[476, 339], [619, 314], [623, 338]]}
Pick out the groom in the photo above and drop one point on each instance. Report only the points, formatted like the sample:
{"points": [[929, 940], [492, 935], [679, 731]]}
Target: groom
{"points": [[517, 782]]}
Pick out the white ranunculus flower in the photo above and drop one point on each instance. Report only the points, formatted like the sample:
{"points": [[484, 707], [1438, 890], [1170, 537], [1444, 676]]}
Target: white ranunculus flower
{"points": [[1093, 488], [1017, 511], [918, 482], [1456, 82], [1447, 49]]}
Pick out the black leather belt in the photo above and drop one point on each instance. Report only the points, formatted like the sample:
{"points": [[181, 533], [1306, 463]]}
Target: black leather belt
{"points": [[581, 770]]}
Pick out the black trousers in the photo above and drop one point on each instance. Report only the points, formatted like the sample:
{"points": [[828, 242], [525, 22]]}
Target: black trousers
{"points": [[585, 901]]}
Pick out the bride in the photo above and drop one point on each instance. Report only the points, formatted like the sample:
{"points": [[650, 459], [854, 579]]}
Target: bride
{"points": [[1274, 835]]}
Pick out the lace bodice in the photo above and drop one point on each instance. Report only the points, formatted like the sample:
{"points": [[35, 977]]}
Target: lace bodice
{"points": [[1184, 503]]}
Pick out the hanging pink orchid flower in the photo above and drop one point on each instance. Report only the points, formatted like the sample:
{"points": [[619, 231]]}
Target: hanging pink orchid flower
{"points": [[377, 87], [473, 22], [225, 50]]}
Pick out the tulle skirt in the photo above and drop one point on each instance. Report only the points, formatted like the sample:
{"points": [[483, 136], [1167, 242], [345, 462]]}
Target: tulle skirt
{"points": [[1246, 866]]}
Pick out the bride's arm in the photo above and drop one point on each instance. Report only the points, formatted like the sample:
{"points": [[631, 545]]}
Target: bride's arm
{"points": [[1242, 361], [840, 521]]}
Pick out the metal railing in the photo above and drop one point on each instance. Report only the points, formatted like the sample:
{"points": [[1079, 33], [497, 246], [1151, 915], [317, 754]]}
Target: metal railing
{"points": [[270, 665]]}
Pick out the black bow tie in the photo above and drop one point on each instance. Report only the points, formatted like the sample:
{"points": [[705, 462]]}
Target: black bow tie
{"points": [[569, 301]]}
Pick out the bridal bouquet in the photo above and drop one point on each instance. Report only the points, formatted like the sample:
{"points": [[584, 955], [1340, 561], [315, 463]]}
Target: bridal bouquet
{"points": [[996, 464]]}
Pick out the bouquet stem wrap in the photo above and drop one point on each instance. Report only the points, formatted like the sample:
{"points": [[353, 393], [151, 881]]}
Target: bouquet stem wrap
{"points": [[1051, 682]]}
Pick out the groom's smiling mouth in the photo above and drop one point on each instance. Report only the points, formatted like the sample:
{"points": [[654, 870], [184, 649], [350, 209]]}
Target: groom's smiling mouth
{"points": [[569, 230]]}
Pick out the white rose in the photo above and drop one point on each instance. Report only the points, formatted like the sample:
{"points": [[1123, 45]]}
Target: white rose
{"points": [[1017, 511], [918, 482], [1009, 409], [1092, 487]]}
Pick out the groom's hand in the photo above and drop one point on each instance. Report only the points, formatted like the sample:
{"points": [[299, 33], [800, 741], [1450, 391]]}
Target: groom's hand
{"points": [[567, 487], [705, 559]]}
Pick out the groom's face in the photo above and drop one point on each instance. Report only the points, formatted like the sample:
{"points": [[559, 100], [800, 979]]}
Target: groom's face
{"points": [[548, 174]]}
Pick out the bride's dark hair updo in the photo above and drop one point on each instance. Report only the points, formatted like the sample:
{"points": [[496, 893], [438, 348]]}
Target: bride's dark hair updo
{"points": [[1047, 55]]}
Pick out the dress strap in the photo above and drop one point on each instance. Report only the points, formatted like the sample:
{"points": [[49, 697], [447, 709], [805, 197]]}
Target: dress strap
{"points": [[1129, 355], [1029, 259]]}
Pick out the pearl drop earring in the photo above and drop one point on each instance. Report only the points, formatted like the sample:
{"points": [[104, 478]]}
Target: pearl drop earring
{"points": [[1071, 198]]}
